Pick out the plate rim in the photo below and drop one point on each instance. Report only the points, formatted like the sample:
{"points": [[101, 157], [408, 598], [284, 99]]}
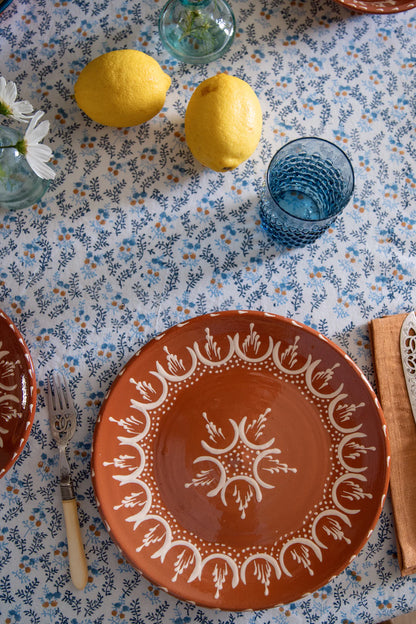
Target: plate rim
{"points": [[386, 8], [31, 409], [383, 426]]}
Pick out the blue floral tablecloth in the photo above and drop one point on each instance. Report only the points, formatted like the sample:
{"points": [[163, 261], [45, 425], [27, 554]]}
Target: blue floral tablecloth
{"points": [[134, 236]]}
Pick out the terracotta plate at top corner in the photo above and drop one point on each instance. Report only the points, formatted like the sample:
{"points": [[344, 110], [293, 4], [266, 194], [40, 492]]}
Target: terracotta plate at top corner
{"points": [[240, 460], [17, 393], [378, 6]]}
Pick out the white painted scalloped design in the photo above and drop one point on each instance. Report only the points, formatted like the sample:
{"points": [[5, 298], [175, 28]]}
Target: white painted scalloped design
{"points": [[236, 462], [382, 7], [17, 393]]}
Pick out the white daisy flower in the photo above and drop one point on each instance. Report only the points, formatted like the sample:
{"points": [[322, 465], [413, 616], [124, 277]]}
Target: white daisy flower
{"points": [[37, 155], [8, 105]]}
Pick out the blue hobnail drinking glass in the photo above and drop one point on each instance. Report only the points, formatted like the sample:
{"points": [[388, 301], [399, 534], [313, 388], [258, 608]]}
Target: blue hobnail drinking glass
{"points": [[309, 182]]}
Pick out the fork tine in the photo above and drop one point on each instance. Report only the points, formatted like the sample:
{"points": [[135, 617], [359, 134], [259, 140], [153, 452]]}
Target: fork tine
{"points": [[59, 394], [62, 416], [50, 396], [59, 390], [66, 393]]}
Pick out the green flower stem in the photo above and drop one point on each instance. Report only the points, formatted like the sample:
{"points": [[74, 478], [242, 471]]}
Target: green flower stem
{"points": [[191, 28], [20, 146]]}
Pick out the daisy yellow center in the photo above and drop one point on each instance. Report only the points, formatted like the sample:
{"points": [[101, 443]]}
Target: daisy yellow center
{"points": [[4, 109]]}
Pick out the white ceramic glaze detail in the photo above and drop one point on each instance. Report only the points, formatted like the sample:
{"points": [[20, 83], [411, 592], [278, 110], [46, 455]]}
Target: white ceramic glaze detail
{"points": [[219, 471], [17, 393]]}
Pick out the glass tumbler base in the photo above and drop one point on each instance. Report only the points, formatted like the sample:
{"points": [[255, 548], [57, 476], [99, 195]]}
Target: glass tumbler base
{"points": [[284, 234]]}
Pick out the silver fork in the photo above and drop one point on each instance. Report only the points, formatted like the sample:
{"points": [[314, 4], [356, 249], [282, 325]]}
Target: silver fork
{"points": [[62, 418]]}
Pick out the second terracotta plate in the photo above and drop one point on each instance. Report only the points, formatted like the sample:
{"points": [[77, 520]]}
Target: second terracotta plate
{"points": [[379, 6], [17, 393], [240, 460]]}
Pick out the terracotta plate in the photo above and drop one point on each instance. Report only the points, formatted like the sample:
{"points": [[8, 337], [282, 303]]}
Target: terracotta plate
{"points": [[379, 6], [240, 460], [17, 393]]}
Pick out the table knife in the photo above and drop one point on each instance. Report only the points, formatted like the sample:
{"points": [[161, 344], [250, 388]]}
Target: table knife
{"points": [[408, 355]]}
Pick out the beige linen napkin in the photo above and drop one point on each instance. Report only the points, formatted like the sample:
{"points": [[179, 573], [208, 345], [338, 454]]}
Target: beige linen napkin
{"points": [[392, 391]]}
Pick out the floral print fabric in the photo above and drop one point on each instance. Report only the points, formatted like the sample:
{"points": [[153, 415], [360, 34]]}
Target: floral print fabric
{"points": [[134, 236]]}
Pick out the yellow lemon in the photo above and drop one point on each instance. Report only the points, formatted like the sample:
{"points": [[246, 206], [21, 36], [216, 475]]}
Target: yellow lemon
{"points": [[223, 122], [122, 88]]}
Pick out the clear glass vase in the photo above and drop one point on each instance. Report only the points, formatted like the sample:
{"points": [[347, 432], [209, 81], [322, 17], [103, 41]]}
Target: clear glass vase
{"points": [[197, 31], [20, 187]]}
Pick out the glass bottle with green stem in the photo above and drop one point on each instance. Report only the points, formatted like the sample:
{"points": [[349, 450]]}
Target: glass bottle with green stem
{"points": [[197, 31], [20, 187]]}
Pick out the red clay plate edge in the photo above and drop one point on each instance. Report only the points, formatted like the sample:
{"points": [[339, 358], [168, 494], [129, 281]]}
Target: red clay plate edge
{"points": [[368, 6], [32, 391], [308, 329]]}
